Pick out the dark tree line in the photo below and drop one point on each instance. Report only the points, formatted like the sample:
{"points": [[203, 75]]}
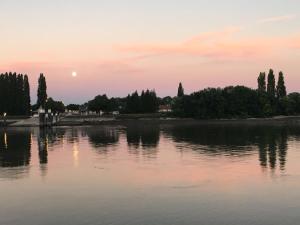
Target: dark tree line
{"points": [[104, 104], [147, 102], [267, 100], [14, 94]]}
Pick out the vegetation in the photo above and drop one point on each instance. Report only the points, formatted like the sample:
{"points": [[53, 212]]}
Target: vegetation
{"points": [[240, 101], [269, 99], [180, 92], [42, 91], [55, 106], [14, 94], [102, 103], [146, 103], [73, 107]]}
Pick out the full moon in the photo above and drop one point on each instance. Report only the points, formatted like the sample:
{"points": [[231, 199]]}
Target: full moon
{"points": [[74, 74]]}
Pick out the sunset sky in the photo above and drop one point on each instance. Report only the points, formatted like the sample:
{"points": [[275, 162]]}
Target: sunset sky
{"points": [[118, 46]]}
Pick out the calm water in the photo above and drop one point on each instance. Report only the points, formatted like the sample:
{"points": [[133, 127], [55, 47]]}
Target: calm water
{"points": [[150, 175]]}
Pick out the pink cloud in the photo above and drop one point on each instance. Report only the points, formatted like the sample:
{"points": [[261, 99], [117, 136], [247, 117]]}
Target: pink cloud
{"points": [[225, 44], [277, 19]]}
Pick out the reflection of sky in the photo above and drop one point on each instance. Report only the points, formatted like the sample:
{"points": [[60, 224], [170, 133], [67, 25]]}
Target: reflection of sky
{"points": [[148, 44], [119, 185]]}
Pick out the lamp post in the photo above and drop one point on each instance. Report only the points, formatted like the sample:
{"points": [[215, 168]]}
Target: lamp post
{"points": [[4, 118]]}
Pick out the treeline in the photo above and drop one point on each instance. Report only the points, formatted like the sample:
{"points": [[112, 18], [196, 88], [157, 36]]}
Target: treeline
{"points": [[267, 100], [103, 103], [147, 102], [14, 94]]}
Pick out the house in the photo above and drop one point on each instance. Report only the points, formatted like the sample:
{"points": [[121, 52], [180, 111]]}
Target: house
{"points": [[165, 108]]}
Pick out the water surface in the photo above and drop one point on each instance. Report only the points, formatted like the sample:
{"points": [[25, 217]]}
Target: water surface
{"points": [[143, 174]]}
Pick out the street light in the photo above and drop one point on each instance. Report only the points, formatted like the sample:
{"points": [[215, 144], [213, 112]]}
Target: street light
{"points": [[4, 118]]}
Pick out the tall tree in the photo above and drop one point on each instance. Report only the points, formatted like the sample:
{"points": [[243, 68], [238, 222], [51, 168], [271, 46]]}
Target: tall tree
{"points": [[281, 89], [20, 95], [26, 96], [42, 91], [180, 92], [271, 84], [12, 94], [261, 80]]}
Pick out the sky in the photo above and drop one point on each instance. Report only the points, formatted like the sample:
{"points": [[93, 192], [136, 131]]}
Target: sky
{"points": [[119, 46]]}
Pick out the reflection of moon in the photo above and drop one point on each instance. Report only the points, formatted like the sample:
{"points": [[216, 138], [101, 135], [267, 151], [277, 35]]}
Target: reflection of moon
{"points": [[74, 74]]}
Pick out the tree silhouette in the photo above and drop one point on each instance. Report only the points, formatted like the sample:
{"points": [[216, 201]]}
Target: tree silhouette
{"points": [[26, 96], [261, 80], [271, 84], [180, 92], [42, 91], [14, 94], [281, 89]]}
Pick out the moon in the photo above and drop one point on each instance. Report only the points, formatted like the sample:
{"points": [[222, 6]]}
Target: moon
{"points": [[74, 74]]}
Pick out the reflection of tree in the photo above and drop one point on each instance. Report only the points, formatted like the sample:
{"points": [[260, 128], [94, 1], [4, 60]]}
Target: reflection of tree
{"points": [[272, 152], [43, 145], [282, 148], [143, 135], [273, 145], [271, 141], [215, 139], [48, 137], [262, 146], [15, 147], [72, 136], [102, 137], [54, 136], [133, 136]]}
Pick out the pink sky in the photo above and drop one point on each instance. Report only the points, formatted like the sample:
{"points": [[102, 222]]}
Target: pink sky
{"points": [[119, 53]]}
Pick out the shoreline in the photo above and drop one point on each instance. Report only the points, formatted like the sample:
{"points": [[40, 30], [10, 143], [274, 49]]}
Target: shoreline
{"points": [[82, 121]]}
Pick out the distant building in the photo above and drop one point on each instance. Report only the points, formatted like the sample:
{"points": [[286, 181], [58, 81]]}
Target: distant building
{"points": [[116, 113], [83, 110], [165, 108]]}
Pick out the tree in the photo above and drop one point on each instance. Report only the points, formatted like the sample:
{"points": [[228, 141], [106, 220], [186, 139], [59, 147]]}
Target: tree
{"points": [[293, 105], [14, 94], [261, 80], [133, 103], [55, 106], [26, 96], [20, 110], [73, 107], [99, 103], [271, 84], [180, 92], [281, 89], [42, 91]]}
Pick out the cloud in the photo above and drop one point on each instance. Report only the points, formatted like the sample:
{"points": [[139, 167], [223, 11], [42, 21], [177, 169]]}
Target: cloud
{"points": [[223, 44], [277, 19]]}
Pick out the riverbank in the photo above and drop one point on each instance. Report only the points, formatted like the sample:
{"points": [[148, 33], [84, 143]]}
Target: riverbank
{"points": [[181, 121], [98, 121]]}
